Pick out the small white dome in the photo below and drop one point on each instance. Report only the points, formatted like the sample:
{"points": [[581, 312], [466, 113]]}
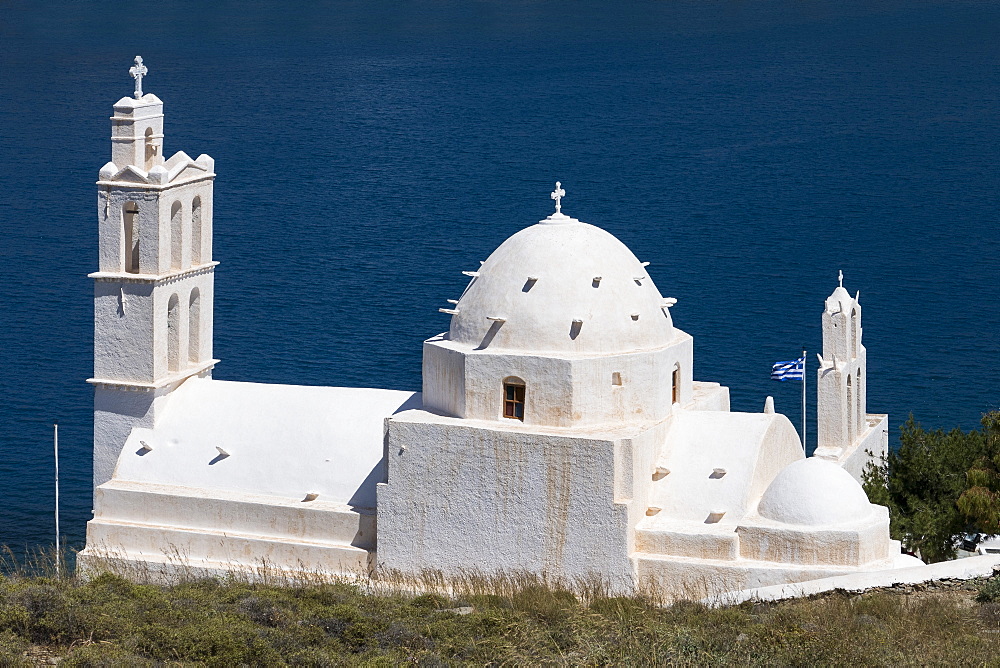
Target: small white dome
{"points": [[814, 492], [562, 286]]}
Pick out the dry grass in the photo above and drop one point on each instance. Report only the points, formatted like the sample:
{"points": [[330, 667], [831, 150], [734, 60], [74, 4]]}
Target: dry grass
{"points": [[236, 619]]}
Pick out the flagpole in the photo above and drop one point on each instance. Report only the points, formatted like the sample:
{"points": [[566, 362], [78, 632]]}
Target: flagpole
{"points": [[55, 444], [803, 400]]}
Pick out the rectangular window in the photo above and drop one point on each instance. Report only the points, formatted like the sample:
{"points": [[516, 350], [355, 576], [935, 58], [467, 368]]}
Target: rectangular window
{"points": [[513, 401]]}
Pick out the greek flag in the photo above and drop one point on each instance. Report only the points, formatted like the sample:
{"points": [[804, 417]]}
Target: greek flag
{"points": [[792, 370]]}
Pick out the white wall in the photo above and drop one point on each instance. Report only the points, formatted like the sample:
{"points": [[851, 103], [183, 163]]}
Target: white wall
{"points": [[463, 497]]}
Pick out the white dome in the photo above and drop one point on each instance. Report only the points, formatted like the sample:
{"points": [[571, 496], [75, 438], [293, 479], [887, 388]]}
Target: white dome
{"points": [[814, 492], [562, 286]]}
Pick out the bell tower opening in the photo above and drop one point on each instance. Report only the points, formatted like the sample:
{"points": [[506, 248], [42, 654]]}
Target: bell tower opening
{"points": [[194, 326], [173, 333], [176, 235], [150, 138], [130, 237], [855, 332], [196, 231], [675, 380], [849, 412]]}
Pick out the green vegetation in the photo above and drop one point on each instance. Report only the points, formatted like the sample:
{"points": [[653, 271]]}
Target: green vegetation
{"points": [[940, 485], [110, 621], [980, 502]]}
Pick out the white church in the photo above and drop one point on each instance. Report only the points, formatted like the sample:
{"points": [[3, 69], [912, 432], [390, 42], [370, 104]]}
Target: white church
{"points": [[559, 430]]}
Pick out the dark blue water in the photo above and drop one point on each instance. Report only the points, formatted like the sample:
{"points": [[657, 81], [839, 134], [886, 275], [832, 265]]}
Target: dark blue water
{"points": [[367, 152]]}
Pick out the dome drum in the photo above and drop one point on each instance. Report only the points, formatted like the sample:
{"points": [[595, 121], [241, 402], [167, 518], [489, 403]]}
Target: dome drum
{"points": [[560, 390]]}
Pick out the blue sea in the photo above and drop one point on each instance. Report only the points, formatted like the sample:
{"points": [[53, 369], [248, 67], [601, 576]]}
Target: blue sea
{"points": [[367, 152]]}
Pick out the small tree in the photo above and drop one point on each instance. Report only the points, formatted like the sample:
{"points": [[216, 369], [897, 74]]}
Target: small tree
{"points": [[980, 502], [921, 484]]}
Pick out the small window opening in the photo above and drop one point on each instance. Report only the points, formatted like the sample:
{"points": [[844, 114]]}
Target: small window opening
{"points": [[513, 399], [616, 378], [676, 385]]}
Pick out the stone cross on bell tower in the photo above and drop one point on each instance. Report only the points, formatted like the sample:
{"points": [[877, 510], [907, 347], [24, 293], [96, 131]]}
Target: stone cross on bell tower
{"points": [[138, 71]]}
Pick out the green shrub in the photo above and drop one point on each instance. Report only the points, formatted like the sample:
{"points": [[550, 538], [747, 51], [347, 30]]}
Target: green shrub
{"points": [[989, 592], [12, 650]]}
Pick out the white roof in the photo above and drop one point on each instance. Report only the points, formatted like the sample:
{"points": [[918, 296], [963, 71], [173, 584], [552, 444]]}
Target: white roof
{"points": [[718, 463], [562, 286], [281, 440]]}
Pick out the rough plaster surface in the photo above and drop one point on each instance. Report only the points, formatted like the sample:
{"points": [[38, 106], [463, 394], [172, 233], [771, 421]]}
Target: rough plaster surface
{"points": [[466, 497]]}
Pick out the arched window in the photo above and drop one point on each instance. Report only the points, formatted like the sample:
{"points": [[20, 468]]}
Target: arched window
{"points": [[513, 398], [176, 235], [150, 148], [194, 326], [850, 415], [130, 237], [675, 385], [196, 231], [173, 333], [855, 334]]}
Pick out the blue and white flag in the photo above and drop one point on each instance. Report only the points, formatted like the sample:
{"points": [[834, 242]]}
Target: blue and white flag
{"points": [[792, 370]]}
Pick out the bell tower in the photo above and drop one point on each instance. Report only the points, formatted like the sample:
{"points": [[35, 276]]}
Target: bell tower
{"points": [[846, 432], [153, 292]]}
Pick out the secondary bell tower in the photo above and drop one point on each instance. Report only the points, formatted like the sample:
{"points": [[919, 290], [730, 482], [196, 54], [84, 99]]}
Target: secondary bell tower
{"points": [[848, 434], [153, 293]]}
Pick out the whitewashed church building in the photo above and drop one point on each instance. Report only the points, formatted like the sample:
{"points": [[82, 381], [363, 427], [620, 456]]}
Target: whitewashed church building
{"points": [[559, 430]]}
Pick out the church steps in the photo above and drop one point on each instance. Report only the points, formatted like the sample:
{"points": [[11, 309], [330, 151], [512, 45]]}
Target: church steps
{"points": [[109, 542], [704, 541], [167, 508]]}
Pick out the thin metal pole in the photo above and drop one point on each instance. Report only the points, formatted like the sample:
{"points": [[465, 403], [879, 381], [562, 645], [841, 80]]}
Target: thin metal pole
{"points": [[803, 400], [55, 440]]}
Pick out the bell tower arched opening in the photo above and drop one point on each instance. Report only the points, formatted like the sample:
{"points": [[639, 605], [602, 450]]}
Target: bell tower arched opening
{"points": [[176, 234], [130, 237], [173, 333], [194, 326], [150, 145], [196, 231], [855, 333], [849, 412]]}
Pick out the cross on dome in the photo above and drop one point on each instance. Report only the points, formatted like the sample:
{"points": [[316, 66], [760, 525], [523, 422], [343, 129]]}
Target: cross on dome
{"points": [[557, 195], [138, 71], [840, 278]]}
